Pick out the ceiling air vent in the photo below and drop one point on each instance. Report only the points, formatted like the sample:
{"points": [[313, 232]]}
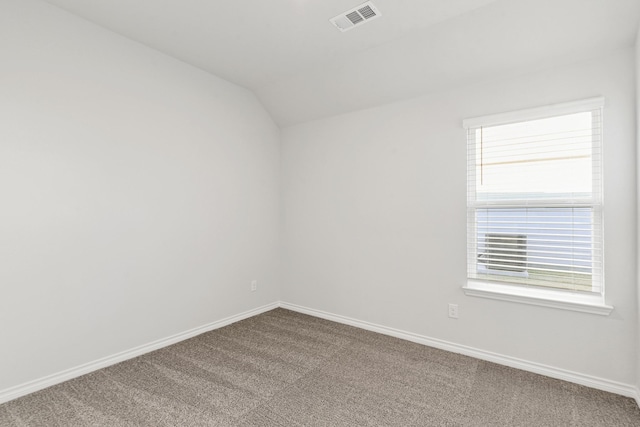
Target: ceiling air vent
{"points": [[356, 16]]}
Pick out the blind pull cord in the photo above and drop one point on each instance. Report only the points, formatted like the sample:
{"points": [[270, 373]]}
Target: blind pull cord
{"points": [[481, 158]]}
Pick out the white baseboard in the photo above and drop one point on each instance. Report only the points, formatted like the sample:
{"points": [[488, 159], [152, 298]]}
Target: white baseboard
{"points": [[41, 383], [562, 374], [549, 371]]}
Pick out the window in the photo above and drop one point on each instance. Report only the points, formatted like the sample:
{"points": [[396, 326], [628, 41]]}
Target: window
{"points": [[534, 206]]}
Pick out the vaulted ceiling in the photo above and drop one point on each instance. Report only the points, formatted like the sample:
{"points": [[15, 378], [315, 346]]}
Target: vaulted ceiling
{"points": [[302, 68]]}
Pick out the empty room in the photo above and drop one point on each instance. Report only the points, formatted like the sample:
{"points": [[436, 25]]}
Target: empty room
{"points": [[319, 213]]}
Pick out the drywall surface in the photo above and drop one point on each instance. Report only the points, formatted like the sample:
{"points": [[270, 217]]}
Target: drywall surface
{"points": [[139, 195], [375, 221], [638, 208], [491, 41]]}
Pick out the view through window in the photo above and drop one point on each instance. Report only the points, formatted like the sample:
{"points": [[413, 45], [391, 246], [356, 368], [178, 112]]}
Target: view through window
{"points": [[534, 202]]}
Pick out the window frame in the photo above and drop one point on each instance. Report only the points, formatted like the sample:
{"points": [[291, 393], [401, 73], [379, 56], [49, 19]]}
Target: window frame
{"points": [[589, 302]]}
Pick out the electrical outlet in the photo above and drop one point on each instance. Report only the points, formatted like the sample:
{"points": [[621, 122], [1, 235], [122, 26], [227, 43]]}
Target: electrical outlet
{"points": [[453, 311], [254, 285]]}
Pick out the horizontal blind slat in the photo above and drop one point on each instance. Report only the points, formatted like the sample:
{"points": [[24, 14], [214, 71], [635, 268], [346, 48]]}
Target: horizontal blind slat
{"points": [[533, 202]]}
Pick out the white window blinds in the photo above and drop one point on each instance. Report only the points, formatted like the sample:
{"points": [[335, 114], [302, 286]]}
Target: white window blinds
{"points": [[534, 199]]}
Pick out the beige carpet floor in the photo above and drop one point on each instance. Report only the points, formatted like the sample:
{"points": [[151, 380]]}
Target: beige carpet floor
{"points": [[286, 369]]}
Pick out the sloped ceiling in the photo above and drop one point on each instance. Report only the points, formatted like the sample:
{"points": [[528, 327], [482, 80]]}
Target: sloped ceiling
{"points": [[302, 68]]}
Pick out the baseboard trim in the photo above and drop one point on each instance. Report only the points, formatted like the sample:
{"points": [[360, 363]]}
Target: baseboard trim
{"points": [[538, 368], [50, 380], [562, 374]]}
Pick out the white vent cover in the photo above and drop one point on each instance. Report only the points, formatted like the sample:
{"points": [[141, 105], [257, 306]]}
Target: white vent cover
{"points": [[356, 16]]}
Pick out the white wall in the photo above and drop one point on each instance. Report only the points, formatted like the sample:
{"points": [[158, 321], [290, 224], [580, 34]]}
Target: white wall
{"points": [[638, 207], [375, 221], [139, 195], [139, 198]]}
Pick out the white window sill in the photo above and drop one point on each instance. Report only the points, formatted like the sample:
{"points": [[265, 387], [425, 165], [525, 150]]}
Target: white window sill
{"points": [[563, 300]]}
